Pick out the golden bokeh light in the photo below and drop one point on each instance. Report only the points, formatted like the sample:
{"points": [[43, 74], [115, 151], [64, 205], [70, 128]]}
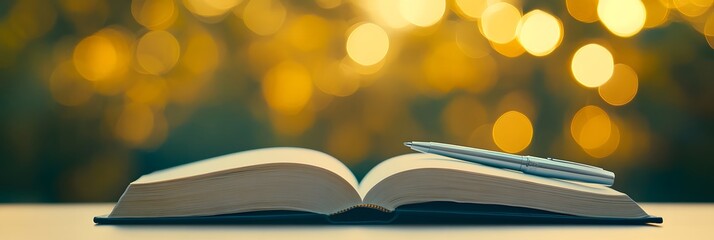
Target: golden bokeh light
{"points": [[202, 53], [264, 17], [590, 127], [154, 14], [471, 9], [386, 13], [623, 18], [209, 9], [709, 26], [583, 10], [308, 32], [470, 41], [512, 132], [367, 44], [287, 87], [422, 13], [446, 68], [30, 19], [511, 49], [518, 100], [609, 147], [463, 115], [135, 124], [622, 86], [540, 33], [657, 13], [157, 52], [67, 86], [149, 90], [95, 57], [348, 142], [103, 55], [592, 65], [499, 22], [692, 8], [328, 4], [333, 79], [292, 124]]}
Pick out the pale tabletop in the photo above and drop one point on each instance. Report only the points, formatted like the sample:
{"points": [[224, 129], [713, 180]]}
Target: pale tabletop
{"points": [[74, 221]]}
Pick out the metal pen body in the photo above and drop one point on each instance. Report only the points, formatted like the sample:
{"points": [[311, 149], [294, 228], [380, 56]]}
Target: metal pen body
{"points": [[552, 168]]}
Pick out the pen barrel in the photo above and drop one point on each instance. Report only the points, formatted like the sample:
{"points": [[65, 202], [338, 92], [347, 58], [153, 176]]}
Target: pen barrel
{"points": [[568, 171]]}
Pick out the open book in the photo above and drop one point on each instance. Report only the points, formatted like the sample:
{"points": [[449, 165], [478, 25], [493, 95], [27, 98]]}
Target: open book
{"points": [[271, 184]]}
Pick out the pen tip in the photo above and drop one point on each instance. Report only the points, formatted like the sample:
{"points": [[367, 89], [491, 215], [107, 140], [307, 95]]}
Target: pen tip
{"points": [[408, 144]]}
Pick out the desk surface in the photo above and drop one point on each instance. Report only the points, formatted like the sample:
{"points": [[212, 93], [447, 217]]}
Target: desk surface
{"points": [[74, 221]]}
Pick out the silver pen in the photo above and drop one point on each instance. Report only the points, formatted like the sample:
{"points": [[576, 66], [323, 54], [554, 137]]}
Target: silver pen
{"points": [[545, 167]]}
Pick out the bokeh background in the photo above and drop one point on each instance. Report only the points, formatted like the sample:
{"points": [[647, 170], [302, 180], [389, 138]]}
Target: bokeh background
{"points": [[95, 93]]}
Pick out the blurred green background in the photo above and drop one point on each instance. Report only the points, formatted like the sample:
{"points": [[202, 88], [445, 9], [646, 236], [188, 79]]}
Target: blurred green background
{"points": [[95, 93]]}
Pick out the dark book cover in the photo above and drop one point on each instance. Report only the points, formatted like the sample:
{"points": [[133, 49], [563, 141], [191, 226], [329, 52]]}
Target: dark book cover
{"points": [[431, 213]]}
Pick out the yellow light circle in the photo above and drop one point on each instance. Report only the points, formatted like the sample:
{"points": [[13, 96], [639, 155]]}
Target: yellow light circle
{"points": [[422, 13], [657, 13], [622, 86], [582, 10], [512, 132], [692, 8], [287, 87], [608, 147], [95, 57], [500, 22], [264, 17], [367, 44], [590, 127], [540, 33], [623, 18], [471, 9], [154, 14], [157, 52], [592, 65]]}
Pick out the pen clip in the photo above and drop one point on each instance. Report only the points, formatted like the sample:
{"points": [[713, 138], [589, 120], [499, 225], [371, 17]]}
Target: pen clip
{"points": [[574, 163]]}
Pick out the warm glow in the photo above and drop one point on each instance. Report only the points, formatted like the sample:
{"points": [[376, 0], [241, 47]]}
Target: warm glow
{"points": [[608, 147], [709, 26], [308, 32], [623, 18], [499, 22], [657, 13], [332, 79], [328, 4], [67, 86], [154, 14], [264, 17], [591, 127], [470, 41], [367, 44], [462, 116], [692, 8], [386, 13], [157, 52], [135, 124], [201, 54], [511, 49], [422, 13], [592, 65], [210, 8], [471, 9], [287, 87], [540, 33], [95, 57], [512, 132], [622, 86], [583, 10]]}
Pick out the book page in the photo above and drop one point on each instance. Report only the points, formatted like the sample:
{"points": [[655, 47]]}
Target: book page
{"points": [[413, 161], [252, 158]]}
